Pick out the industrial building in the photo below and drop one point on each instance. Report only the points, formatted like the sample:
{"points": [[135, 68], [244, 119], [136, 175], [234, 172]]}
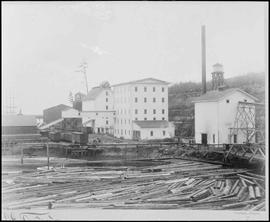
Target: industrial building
{"points": [[19, 124], [142, 110], [54, 113], [224, 115], [132, 110]]}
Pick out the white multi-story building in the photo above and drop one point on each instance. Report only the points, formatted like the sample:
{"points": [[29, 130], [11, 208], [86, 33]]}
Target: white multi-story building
{"points": [[132, 110], [142, 110], [97, 109]]}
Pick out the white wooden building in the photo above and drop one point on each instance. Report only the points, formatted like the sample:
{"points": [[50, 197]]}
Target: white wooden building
{"points": [[142, 110], [215, 113]]}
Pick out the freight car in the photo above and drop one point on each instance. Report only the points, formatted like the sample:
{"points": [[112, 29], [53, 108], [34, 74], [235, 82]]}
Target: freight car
{"points": [[70, 137], [79, 138], [55, 136]]}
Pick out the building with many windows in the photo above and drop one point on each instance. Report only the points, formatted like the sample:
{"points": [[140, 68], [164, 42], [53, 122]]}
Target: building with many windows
{"points": [[141, 109], [132, 110], [97, 109]]}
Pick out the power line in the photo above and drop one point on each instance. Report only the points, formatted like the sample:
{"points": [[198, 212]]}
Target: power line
{"points": [[82, 68]]}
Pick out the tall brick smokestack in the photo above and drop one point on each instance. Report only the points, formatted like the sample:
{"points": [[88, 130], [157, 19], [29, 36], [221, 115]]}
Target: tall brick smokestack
{"points": [[203, 60]]}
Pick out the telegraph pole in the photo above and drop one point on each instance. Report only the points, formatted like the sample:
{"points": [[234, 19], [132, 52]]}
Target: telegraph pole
{"points": [[82, 69]]}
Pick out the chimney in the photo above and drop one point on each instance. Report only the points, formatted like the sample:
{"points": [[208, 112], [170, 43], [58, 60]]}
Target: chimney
{"points": [[203, 60]]}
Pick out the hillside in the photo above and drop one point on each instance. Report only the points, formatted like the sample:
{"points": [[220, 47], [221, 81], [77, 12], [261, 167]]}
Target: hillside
{"points": [[181, 110]]}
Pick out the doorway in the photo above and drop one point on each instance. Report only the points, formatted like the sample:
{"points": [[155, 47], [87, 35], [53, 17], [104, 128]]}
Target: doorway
{"points": [[204, 138]]}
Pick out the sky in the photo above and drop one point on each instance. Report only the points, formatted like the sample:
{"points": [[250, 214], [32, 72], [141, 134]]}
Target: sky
{"points": [[44, 43]]}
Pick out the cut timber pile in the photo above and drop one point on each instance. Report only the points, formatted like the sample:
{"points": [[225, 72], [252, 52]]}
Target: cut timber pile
{"points": [[178, 184]]}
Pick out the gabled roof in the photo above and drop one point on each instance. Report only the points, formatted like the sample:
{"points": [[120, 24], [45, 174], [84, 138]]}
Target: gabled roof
{"points": [[152, 123], [216, 95], [144, 81], [19, 120], [93, 93], [58, 107]]}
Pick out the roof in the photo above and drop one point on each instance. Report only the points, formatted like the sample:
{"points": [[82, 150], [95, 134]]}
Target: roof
{"points": [[152, 123], [93, 93], [216, 95], [144, 81], [60, 106], [19, 120], [51, 124], [217, 64]]}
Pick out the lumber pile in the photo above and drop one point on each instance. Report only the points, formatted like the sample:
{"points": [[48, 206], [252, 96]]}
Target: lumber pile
{"points": [[177, 184]]}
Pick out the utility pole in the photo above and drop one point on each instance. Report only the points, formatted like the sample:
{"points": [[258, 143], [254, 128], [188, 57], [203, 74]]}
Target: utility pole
{"points": [[82, 69], [10, 106]]}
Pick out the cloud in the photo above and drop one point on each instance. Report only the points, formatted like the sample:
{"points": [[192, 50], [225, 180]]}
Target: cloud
{"points": [[95, 49]]}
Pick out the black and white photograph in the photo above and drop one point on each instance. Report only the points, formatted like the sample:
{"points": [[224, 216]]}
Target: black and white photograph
{"points": [[134, 110]]}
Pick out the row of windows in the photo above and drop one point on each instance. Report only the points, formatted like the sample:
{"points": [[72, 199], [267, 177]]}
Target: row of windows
{"points": [[129, 132], [145, 99], [152, 133], [228, 101], [122, 131], [137, 111], [154, 111], [145, 89], [124, 121]]}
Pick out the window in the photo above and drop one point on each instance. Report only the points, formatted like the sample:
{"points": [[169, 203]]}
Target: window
{"points": [[125, 121], [234, 138], [145, 118], [106, 99], [214, 139], [151, 133], [163, 118], [154, 118], [154, 100], [145, 89], [121, 132], [136, 89], [163, 111], [163, 89], [121, 121], [136, 99], [227, 101], [154, 111], [145, 100], [163, 100], [107, 93], [145, 111], [136, 118], [136, 111], [125, 132], [107, 122], [96, 113], [164, 132], [245, 100], [106, 107], [154, 89]]}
